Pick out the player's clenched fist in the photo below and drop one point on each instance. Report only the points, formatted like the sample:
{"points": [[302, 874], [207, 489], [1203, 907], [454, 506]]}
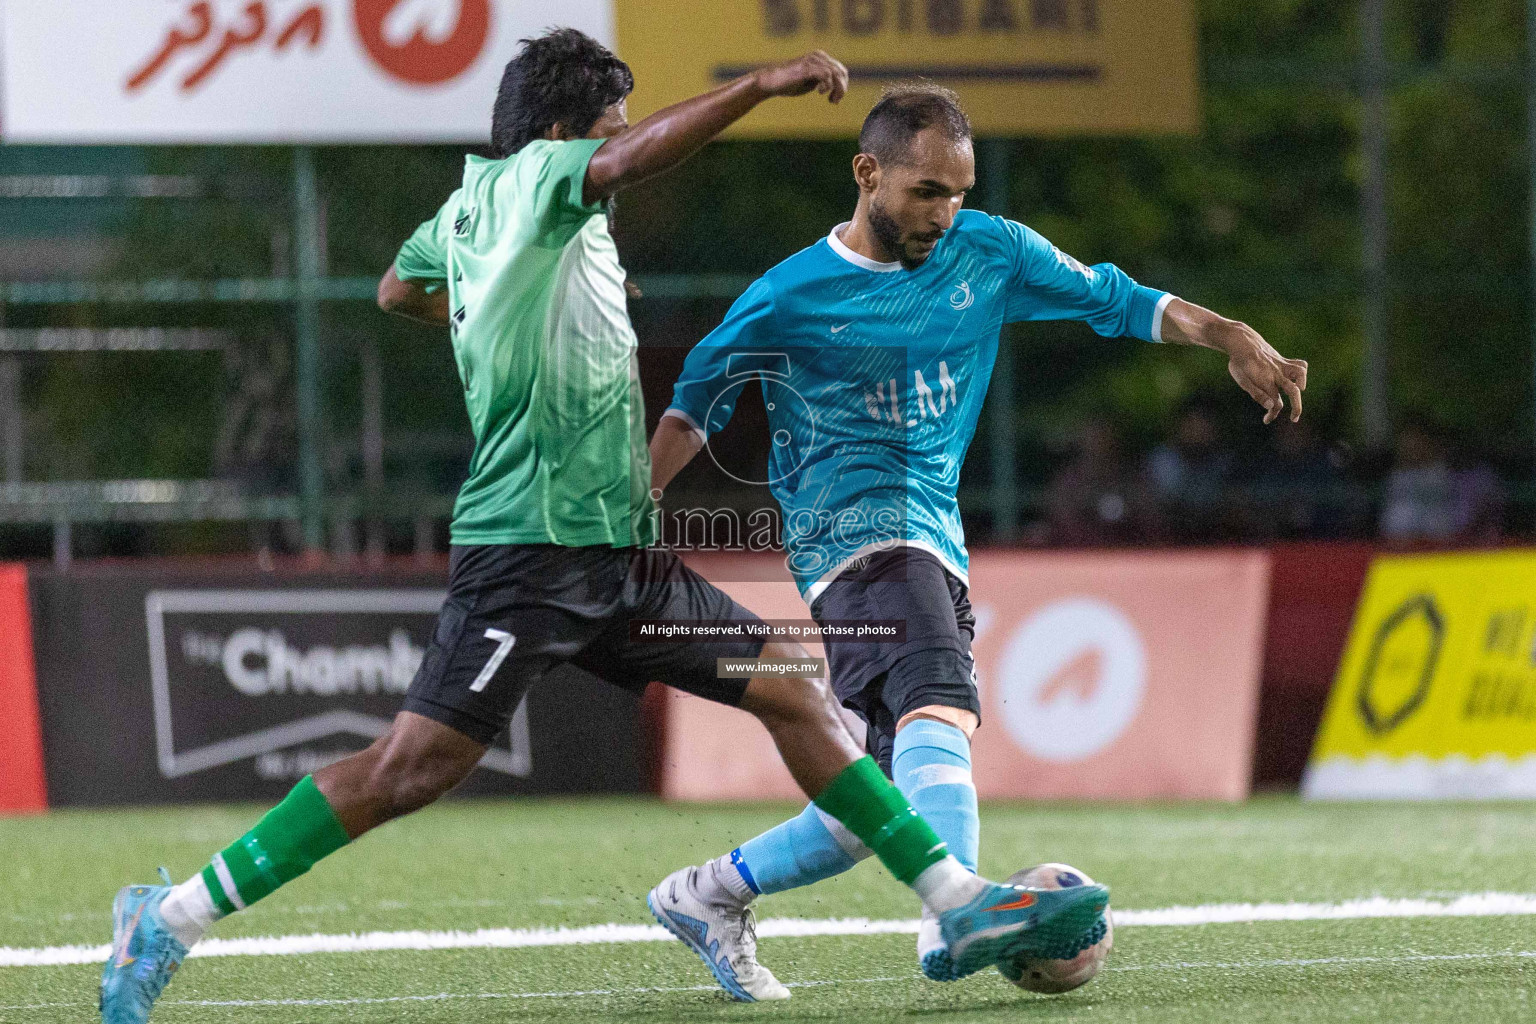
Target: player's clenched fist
{"points": [[817, 70]]}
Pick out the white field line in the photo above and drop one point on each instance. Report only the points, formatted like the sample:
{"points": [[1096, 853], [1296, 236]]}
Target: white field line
{"points": [[437, 997], [1491, 904], [1328, 961], [1487, 904]]}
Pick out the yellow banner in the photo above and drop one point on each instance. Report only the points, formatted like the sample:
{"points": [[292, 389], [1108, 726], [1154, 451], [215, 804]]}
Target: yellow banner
{"points": [[1023, 67], [1436, 693]]}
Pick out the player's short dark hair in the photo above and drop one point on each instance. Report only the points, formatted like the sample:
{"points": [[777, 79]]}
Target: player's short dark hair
{"points": [[563, 76], [903, 111]]}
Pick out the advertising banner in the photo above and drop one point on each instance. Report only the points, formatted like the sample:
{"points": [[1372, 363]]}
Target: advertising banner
{"points": [[1436, 693], [212, 71], [1314, 588], [160, 687], [272, 71], [1023, 67], [22, 788], [1115, 676]]}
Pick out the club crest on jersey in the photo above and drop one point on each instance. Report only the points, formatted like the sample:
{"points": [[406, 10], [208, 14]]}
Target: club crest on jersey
{"points": [[961, 297]]}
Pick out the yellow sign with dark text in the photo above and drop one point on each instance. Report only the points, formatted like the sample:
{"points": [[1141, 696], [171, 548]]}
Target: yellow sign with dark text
{"points": [[1436, 693], [1023, 67]]}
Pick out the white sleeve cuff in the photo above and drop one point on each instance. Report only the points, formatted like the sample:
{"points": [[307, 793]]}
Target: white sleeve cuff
{"points": [[693, 425], [1157, 316]]}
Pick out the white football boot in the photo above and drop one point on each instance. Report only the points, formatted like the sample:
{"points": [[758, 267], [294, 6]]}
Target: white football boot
{"points": [[723, 934]]}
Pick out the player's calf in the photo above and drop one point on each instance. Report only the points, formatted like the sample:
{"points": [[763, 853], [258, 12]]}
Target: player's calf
{"points": [[406, 769], [931, 765], [801, 715]]}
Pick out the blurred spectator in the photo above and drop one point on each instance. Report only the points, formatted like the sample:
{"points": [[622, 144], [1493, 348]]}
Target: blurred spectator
{"points": [[1428, 498], [1480, 502], [256, 444], [256, 440], [1299, 491], [1189, 478], [1090, 501]]}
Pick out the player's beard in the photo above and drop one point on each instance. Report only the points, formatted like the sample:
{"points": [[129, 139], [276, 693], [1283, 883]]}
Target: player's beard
{"points": [[888, 233]]}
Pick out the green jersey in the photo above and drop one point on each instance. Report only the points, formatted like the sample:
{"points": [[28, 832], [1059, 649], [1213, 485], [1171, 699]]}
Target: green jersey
{"points": [[545, 351]]}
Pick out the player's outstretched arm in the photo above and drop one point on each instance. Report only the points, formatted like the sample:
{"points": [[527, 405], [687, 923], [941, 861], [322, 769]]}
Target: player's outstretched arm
{"points": [[1269, 378], [670, 136], [411, 299], [673, 446]]}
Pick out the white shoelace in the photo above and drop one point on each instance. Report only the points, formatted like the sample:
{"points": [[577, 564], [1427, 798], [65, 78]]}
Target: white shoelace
{"points": [[746, 939]]}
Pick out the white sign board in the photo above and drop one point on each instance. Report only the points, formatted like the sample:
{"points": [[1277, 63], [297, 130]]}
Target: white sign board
{"points": [[214, 71]]}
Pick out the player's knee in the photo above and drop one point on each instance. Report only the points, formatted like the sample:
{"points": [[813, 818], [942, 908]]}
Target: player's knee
{"points": [[794, 695], [961, 718], [782, 650]]}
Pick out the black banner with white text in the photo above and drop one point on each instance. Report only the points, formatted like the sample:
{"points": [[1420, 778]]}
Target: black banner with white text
{"points": [[166, 686]]}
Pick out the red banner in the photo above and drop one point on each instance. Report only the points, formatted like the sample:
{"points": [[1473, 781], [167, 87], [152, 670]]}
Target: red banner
{"points": [[22, 788], [1105, 676]]}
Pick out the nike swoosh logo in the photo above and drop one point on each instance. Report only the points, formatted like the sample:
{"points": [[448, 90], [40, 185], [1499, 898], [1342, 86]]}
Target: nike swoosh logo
{"points": [[837, 328], [1025, 899]]}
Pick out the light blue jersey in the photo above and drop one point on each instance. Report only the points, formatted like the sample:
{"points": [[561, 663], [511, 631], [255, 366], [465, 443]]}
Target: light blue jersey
{"points": [[874, 376]]}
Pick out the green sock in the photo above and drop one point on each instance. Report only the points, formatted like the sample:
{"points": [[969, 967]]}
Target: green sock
{"points": [[284, 844], [873, 809]]}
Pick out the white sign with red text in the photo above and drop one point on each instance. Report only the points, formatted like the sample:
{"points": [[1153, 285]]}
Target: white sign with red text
{"points": [[211, 71], [1102, 676]]}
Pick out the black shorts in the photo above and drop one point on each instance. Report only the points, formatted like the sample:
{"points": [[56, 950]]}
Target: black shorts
{"points": [[881, 682], [515, 612]]}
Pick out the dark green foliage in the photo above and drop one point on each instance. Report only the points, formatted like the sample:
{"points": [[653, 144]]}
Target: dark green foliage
{"points": [[1256, 217]]}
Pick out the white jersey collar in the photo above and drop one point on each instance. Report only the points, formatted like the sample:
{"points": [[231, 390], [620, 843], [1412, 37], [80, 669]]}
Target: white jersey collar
{"points": [[857, 260]]}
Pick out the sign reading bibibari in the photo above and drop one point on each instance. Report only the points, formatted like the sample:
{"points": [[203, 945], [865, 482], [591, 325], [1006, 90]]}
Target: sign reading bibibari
{"points": [[217, 71], [1024, 67]]}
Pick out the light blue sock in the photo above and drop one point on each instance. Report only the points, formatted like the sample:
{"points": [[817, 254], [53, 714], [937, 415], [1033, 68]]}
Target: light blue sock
{"points": [[803, 850], [931, 765]]}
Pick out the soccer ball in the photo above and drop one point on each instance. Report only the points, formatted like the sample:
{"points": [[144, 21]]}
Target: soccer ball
{"points": [[1055, 976]]}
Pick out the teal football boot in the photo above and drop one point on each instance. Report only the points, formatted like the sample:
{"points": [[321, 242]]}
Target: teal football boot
{"points": [[1008, 921], [144, 954]]}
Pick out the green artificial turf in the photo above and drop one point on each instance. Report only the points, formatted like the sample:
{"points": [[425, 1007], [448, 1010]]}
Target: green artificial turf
{"points": [[468, 865]]}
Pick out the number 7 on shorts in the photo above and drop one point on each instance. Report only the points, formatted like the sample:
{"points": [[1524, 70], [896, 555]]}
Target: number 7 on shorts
{"points": [[504, 642]]}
